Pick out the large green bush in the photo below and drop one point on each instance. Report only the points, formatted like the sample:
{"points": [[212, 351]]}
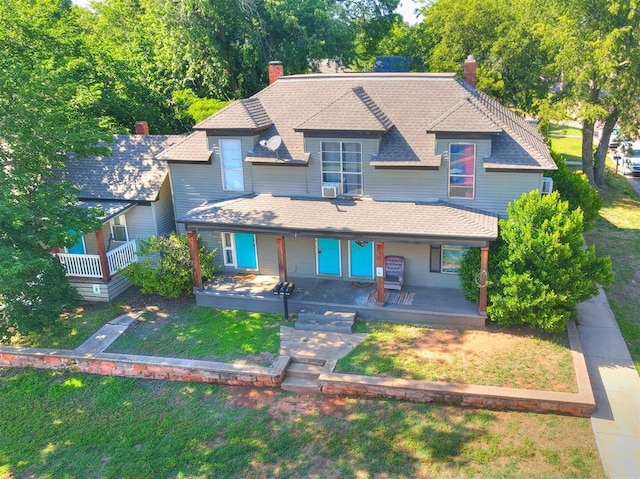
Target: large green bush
{"points": [[541, 269], [574, 187], [166, 268]]}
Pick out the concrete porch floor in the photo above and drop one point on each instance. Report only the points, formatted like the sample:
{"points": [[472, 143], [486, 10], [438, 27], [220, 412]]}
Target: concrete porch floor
{"points": [[434, 306]]}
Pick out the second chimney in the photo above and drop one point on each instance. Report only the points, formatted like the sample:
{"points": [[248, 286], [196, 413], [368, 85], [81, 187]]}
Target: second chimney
{"points": [[470, 65], [276, 70], [142, 128]]}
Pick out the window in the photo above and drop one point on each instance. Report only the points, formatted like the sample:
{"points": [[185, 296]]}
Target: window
{"points": [[342, 164], [228, 249], [452, 258], [462, 170], [446, 259], [231, 162], [119, 229]]}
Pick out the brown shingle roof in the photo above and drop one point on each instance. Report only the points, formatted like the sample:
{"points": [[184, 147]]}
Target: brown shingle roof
{"points": [[132, 172], [344, 218], [464, 117], [247, 114], [353, 111], [192, 148]]}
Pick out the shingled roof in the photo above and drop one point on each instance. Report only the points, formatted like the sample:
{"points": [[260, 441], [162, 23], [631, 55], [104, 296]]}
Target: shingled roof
{"points": [[310, 217], [132, 172], [407, 110]]}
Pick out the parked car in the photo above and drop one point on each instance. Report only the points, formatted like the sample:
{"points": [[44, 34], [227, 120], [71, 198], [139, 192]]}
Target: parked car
{"points": [[614, 139], [628, 158]]}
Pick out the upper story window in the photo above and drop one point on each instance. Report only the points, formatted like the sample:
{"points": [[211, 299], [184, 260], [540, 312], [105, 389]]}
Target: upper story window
{"points": [[119, 229], [342, 164], [462, 170], [231, 163]]}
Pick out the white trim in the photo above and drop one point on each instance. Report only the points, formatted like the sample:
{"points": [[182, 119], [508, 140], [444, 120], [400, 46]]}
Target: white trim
{"points": [[318, 273], [342, 173], [231, 247], [222, 167], [474, 176], [122, 219]]}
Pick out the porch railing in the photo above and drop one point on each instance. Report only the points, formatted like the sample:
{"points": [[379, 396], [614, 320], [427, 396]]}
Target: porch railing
{"points": [[122, 256], [88, 265]]}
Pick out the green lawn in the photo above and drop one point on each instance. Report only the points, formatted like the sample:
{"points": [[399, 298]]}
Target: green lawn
{"points": [[567, 141], [78, 426], [205, 333], [617, 234], [498, 357]]}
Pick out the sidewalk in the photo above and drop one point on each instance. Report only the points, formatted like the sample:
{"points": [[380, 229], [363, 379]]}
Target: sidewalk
{"points": [[616, 387]]}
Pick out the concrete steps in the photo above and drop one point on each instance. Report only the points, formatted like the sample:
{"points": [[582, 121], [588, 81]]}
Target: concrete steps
{"points": [[327, 321], [302, 377]]}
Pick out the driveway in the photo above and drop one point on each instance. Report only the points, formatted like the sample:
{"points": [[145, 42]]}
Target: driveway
{"points": [[634, 181]]}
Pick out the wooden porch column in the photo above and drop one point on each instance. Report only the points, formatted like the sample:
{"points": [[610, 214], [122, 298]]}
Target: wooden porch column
{"points": [[282, 258], [102, 253], [194, 251], [380, 278], [484, 267]]}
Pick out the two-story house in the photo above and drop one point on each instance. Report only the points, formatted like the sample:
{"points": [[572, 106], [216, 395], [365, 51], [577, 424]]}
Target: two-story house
{"points": [[323, 176]]}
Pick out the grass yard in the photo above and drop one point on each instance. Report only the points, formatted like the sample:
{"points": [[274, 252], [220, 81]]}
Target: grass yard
{"points": [[617, 234], [204, 333], [75, 426], [567, 141], [498, 357]]}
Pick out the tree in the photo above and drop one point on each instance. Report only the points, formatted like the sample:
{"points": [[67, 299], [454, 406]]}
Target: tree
{"points": [[597, 44], [43, 114], [166, 270], [539, 269]]}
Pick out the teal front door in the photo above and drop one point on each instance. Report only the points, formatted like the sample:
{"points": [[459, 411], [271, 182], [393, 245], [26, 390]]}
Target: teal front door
{"points": [[246, 250], [328, 253], [78, 247], [361, 258]]}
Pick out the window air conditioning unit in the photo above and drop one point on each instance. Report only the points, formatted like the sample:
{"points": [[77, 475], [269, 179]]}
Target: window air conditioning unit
{"points": [[330, 190], [547, 185]]}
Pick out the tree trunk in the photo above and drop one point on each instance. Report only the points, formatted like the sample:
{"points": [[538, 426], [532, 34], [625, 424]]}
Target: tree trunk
{"points": [[587, 151], [601, 152]]}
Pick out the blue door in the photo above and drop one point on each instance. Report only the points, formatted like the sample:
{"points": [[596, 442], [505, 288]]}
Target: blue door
{"points": [[246, 250], [328, 253], [78, 247], [361, 258]]}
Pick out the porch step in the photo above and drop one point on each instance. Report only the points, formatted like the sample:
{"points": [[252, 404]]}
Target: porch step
{"points": [[302, 378], [327, 321]]}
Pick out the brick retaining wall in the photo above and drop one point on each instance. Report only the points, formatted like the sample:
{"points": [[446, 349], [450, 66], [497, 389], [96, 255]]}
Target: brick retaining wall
{"points": [[490, 397], [128, 365]]}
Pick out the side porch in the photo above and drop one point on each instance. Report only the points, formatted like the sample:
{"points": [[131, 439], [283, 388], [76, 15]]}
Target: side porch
{"points": [[414, 304]]}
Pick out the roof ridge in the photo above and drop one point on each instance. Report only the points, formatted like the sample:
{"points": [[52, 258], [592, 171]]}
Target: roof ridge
{"points": [[514, 117], [373, 107], [465, 101]]}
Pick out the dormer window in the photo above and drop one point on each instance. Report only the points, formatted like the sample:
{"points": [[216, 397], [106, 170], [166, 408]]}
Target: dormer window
{"points": [[231, 163], [342, 164], [462, 170]]}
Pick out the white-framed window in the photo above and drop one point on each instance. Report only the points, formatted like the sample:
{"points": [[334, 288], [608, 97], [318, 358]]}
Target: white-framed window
{"points": [[446, 258], [229, 249], [342, 164], [231, 164], [462, 170], [119, 229]]}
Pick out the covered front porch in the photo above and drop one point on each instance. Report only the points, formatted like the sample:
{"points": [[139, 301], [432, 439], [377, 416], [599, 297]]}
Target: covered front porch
{"points": [[414, 304]]}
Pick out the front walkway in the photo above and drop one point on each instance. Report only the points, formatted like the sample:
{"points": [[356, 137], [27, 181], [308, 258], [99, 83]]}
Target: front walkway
{"points": [[416, 304]]}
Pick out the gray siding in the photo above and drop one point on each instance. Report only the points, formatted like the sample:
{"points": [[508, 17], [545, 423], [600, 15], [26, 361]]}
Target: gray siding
{"points": [[140, 222], [109, 290], [163, 211]]}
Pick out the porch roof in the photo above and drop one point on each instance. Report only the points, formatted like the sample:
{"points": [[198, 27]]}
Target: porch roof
{"points": [[346, 218], [111, 208]]}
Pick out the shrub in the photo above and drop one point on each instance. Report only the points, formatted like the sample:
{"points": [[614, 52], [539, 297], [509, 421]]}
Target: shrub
{"points": [[574, 187], [166, 270], [539, 270]]}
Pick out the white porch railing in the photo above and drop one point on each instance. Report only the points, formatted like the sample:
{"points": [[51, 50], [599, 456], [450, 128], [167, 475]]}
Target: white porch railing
{"points": [[88, 265], [122, 256]]}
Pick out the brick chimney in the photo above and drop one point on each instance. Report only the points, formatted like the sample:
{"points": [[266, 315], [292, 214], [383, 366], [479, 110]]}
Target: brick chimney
{"points": [[142, 128], [276, 70], [470, 65]]}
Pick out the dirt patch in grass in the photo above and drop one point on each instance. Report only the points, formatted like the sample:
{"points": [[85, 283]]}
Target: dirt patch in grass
{"points": [[518, 359]]}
